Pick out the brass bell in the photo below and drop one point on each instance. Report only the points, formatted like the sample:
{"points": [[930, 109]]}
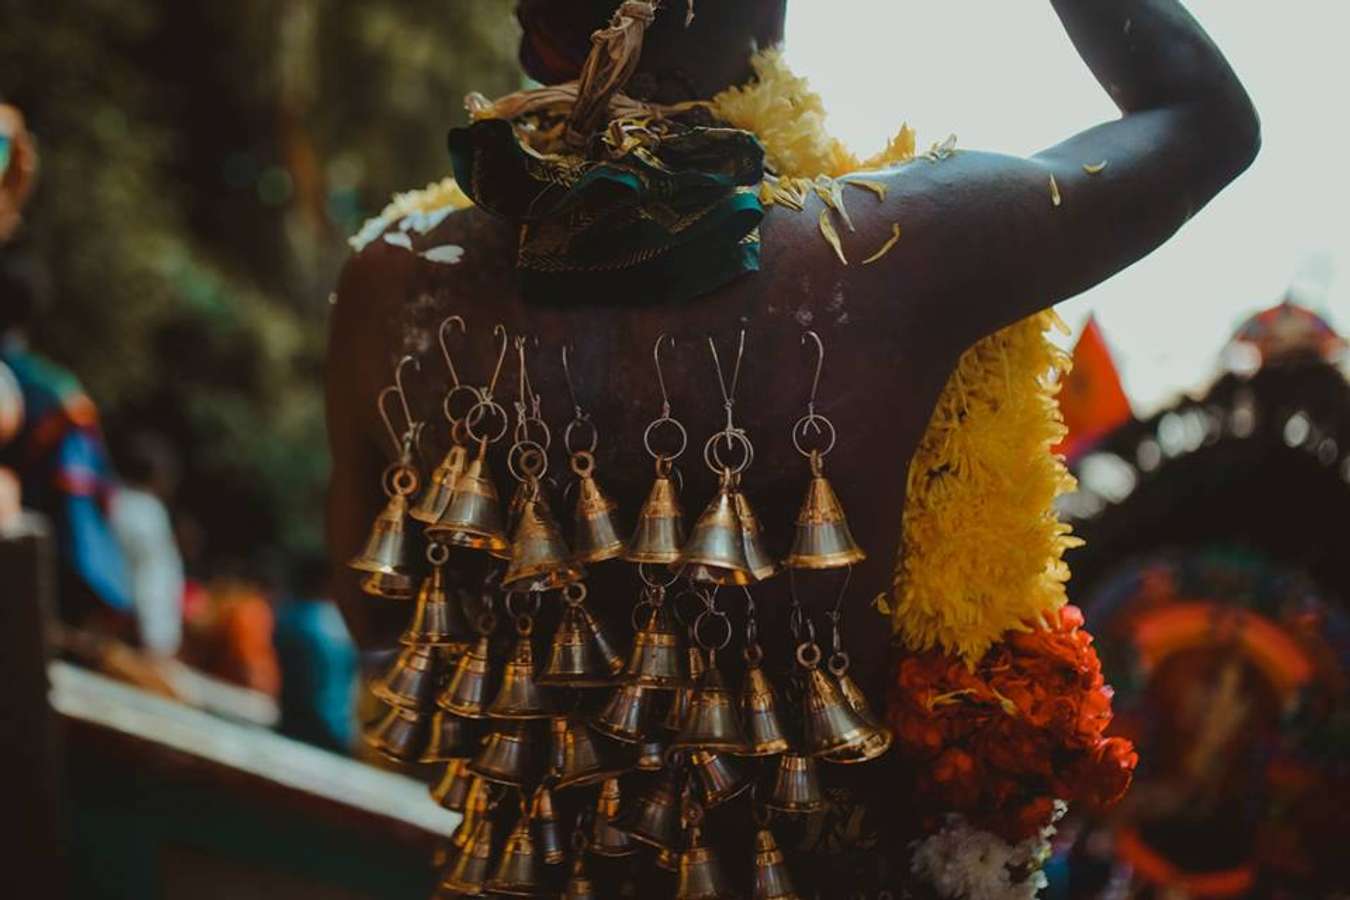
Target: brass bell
{"points": [[712, 722], [473, 517], [436, 619], [715, 551], [764, 733], [518, 873], [604, 644], [679, 704], [822, 539], [505, 757], [469, 873], [879, 737], [574, 660], [411, 680], [519, 697], [435, 500], [385, 549], [659, 536], [772, 881], [449, 738], [466, 693], [699, 876], [651, 756], [547, 828], [576, 760], [398, 734], [796, 787], [718, 778], [656, 660], [762, 564], [391, 586], [830, 724], [607, 839], [655, 819], [624, 717], [579, 885], [540, 560], [595, 537], [452, 791]]}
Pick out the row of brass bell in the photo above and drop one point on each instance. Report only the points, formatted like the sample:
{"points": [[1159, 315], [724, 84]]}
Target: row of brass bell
{"points": [[519, 695]]}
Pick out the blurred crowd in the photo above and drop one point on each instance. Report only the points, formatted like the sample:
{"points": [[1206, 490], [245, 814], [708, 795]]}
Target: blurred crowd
{"points": [[132, 595]]}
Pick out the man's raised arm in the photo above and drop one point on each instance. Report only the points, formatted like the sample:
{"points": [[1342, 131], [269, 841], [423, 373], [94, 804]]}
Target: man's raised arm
{"points": [[1015, 235]]}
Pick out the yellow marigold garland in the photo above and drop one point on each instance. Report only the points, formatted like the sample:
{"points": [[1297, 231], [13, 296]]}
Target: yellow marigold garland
{"points": [[982, 549]]}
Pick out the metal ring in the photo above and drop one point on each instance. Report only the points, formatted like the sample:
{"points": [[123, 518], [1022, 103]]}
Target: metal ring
{"points": [[581, 420], [517, 455], [806, 421], [400, 479], [524, 624], [522, 432], [715, 613], [583, 463], [437, 553], [450, 395], [754, 654], [680, 617], [651, 428], [838, 664], [487, 623], [480, 411], [808, 654], [531, 610], [638, 608], [574, 593], [644, 572], [712, 457]]}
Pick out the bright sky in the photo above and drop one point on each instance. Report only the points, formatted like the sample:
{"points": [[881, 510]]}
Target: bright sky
{"points": [[1003, 76]]}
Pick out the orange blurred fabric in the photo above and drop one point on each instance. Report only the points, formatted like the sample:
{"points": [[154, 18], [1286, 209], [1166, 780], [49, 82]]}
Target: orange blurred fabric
{"points": [[1092, 399]]}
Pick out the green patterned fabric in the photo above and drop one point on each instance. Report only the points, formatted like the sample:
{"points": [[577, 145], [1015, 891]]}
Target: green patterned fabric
{"points": [[668, 220]]}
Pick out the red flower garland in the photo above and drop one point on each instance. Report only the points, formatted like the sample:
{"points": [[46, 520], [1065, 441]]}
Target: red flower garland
{"points": [[1000, 743]]}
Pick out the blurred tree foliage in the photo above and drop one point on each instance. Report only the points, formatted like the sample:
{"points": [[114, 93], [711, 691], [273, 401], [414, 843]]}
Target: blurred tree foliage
{"points": [[203, 164]]}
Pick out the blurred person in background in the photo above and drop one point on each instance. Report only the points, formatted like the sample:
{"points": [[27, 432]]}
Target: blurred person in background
{"points": [[318, 664], [61, 462], [18, 169], [144, 529]]}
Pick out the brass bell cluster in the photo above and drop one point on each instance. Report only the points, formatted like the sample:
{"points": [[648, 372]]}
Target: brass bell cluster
{"points": [[566, 749], [408, 728]]}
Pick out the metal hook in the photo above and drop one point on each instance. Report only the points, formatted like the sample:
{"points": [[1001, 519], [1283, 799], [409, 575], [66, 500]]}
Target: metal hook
{"points": [[498, 331], [728, 396], [571, 388], [820, 364], [445, 351], [398, 383], [389, 423], [660, 377]]}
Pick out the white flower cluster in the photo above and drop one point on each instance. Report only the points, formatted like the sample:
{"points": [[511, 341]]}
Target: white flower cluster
{"points": [[964, 863]]}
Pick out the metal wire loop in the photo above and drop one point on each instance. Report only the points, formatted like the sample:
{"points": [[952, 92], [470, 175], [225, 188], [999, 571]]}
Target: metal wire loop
{"points": [[650, 431], [437, 553], [703, 617], [813, 422]]}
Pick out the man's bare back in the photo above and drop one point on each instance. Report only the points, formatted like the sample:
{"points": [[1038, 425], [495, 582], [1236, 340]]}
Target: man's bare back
{"points": [[983, 244]]}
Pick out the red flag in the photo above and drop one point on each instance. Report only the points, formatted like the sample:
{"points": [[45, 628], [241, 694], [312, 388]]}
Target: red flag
{"points": [[1092, 399]]}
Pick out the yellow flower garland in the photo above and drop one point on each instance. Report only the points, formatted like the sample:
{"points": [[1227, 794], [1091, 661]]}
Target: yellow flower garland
{"points": [[982, 549]]}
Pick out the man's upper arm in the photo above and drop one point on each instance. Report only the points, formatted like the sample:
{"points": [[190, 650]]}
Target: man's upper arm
{"points": [[988, 239]]}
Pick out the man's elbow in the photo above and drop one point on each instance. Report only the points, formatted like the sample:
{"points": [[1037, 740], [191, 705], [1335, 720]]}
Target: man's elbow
{"points": [[1246, 134]]}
